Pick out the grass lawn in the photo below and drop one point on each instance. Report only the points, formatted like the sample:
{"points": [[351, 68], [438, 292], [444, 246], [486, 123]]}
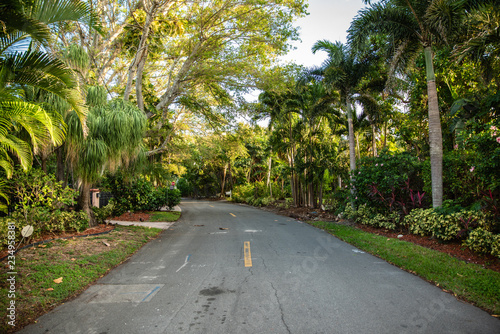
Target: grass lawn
{"points": [[467, 281], [74, 263], [163, 216]]}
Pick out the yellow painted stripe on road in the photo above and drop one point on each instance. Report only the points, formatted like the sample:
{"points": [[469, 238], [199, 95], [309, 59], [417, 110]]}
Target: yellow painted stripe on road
{"points": [[232, 214], [210, 205], [247, 254]]}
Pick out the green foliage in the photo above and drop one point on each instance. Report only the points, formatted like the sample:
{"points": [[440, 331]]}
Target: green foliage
{"points": [[444, 225], [390, 182], [460, 184], [39, 200], [184, 187], [101, 214], [172, 197], [138, 194], [257, 193], [483, 241], [368, 216]]}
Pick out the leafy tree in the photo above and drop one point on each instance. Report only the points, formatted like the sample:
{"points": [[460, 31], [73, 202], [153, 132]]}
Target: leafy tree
{"points": [[113, 137], [414, 27]]}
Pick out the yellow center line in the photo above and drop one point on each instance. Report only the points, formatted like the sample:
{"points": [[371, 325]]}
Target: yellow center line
{"points": [[210, 205], [247, 254], [232, 214]]}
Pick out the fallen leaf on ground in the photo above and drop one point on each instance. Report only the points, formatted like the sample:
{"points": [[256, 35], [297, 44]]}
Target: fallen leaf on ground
{"points": [[73, 259], [50, 289], [58, 280], [42, 246], [223, 228]]}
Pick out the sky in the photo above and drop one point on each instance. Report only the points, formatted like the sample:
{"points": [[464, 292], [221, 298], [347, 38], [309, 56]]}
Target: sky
{"points": [[327, 19]]}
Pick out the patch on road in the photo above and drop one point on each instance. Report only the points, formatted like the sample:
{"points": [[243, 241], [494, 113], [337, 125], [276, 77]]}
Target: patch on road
{"points": [[129, 293], [214, 291]]}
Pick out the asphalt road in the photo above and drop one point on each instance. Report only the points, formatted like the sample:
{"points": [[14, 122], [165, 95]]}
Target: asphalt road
{"points": [[228, 268]]}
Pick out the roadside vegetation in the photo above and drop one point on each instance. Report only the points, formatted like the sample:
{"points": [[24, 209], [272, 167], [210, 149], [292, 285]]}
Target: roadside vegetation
{"points": [[53, 272]]}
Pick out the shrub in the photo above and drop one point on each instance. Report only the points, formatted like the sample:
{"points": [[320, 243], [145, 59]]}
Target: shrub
{"points": [[172, 197], [443, 225], [459, 183], [101, 214], [139, 194], [495, 246], [45, 221], [481, 241], [390, 182], [42, 202]]}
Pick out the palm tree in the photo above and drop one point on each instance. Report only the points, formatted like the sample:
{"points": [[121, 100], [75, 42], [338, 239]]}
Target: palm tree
{"points": [[114, 136], [343, 71], [413, 27], [26, 27]]}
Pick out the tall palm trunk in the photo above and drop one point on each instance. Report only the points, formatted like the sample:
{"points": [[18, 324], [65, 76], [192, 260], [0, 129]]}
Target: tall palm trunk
{"points": [[435, 136], [352, 148]]}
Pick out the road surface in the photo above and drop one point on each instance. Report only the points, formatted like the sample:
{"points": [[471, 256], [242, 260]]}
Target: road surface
{"points": [[228, 268]]}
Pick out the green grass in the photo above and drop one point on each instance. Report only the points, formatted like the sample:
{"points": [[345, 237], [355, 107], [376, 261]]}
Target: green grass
{"points": [[163, 216], [467, 281], [79, 262]]}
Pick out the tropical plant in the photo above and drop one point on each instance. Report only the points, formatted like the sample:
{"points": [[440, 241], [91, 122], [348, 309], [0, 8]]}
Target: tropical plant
{"points": [[25, 64], [113, 137], [413, 27]]}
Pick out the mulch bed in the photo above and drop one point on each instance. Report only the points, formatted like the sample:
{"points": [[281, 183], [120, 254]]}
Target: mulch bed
{"points": [[134, 216], [454, 249]]}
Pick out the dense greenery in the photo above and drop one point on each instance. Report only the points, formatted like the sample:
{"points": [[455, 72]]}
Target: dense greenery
{"points": [[138, 195], [401, 118]]}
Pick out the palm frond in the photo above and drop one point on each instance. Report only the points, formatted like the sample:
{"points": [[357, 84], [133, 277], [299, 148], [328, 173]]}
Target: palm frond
{"points": [[19, 148], [54, 11]]}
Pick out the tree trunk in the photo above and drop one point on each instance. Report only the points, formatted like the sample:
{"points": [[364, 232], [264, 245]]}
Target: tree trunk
{"points": [[269, 166], [320, 194], [84, 203], [357, 146], [374, 141], [435, 135], [141, 55], [222, 192], [60, 165], [352, 149]]}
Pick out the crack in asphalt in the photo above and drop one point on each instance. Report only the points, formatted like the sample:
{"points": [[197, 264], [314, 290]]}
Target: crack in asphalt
{"points": [[281, 309], [272, 248]]}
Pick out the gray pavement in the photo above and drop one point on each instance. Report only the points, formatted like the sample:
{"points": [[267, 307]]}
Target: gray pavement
{"points": [[227, 268]]}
